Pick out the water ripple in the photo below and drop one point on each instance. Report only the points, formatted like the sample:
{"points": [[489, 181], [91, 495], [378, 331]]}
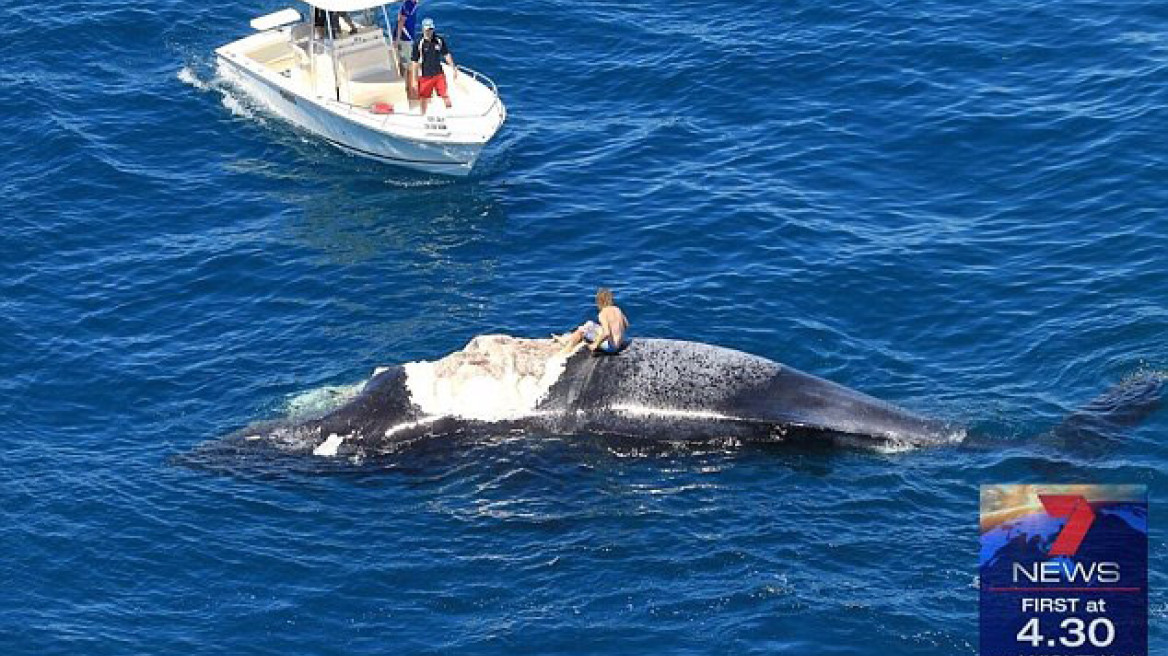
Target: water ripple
{"points": [[955, 207]]}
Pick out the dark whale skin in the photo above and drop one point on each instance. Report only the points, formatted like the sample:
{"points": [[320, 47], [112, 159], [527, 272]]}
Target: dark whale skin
{"points": [[713, 392], [656, 389], [666, 390]]}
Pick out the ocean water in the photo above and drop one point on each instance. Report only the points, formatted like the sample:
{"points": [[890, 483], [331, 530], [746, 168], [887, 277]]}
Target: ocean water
{"points": [[957, 207]]}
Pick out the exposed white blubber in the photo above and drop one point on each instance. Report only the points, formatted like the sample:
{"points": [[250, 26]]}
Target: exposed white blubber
{"points": [[495, 378], [329, 446], [699, 415], [408, 425]]}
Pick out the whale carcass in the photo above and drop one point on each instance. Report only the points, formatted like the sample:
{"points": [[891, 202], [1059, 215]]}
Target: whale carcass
{"points": [[656, 389]]}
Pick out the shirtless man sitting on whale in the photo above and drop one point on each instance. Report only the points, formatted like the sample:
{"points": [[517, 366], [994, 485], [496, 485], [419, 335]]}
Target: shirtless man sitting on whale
{"points": [[608, 334]]}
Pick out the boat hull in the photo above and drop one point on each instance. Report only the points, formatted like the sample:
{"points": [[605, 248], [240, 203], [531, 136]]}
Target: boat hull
{"points": [[354, 137]]}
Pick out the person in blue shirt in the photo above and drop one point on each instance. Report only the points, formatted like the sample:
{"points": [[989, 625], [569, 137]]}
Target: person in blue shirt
{"points": [[403, 34]]}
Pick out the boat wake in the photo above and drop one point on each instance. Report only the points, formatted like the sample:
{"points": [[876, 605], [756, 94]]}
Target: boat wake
{"points": [[188, 76], [239, 105]]}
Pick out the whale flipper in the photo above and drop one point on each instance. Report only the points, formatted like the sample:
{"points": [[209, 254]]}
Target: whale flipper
{"points": [[1100, 425]]}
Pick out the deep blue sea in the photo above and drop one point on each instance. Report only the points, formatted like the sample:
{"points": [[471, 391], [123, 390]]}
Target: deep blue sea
{"points": [[956, 207]]}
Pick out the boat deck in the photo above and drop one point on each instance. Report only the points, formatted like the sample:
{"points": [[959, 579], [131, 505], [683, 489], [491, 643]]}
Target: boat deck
{"points": [[352, 93]]}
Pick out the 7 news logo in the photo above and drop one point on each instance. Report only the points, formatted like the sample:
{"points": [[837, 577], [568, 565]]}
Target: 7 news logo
{"points": [[1080, 517], [1063, 570]]}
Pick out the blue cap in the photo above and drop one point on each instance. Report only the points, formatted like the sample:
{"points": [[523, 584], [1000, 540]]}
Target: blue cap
{"points": [[427, 23]]}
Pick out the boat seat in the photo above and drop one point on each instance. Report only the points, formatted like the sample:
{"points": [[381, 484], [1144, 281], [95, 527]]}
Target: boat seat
{"points": [[301, 33], [361, 64], [366, 94], [371, 75], [368, 76]]}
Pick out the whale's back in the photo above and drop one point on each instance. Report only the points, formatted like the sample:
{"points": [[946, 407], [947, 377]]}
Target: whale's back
{"points": [[687, 390]]}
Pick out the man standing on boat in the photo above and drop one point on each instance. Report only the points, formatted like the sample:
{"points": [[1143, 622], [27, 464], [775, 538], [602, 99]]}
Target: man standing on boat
{"points": [[403, 34], [427, 58]]}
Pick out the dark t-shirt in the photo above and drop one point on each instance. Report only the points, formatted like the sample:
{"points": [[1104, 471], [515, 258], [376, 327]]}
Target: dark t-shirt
{"points": [[430, 52]]}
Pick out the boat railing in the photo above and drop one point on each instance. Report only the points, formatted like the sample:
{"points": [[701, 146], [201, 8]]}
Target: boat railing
{"points": [[489, 83]]}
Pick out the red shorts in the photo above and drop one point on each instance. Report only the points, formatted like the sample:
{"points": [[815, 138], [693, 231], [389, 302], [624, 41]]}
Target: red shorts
{"points": [[427, 86]]}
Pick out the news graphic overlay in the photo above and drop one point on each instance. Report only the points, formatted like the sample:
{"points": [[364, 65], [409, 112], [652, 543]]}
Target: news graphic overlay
{"points": [[1064, 570]]}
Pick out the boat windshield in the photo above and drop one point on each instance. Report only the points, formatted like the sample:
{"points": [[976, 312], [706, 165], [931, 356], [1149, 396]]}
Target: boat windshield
{"points": [[342, 24]]}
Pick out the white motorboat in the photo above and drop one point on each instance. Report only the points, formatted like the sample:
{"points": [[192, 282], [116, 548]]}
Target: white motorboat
{"points": [[343, 81]]}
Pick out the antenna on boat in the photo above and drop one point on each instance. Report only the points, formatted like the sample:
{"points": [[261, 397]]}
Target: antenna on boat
{"points": [[391, 42], [328, 22]]}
